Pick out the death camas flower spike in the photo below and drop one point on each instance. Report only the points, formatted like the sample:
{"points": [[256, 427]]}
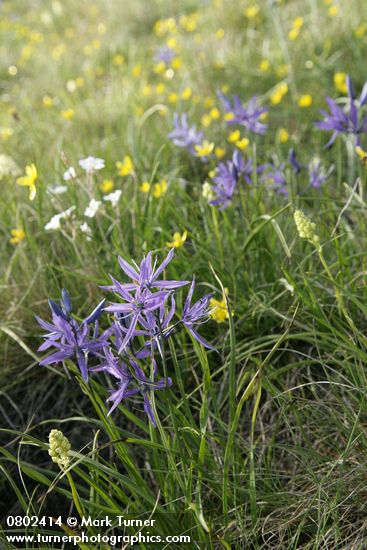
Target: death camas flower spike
{"points": [[142, 320]]}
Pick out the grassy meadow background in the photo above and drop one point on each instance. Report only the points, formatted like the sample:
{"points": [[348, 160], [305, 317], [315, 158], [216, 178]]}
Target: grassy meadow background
{"points": [[262, 443]]}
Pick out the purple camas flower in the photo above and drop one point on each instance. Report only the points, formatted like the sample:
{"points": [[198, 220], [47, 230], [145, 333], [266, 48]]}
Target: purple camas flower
{"points": [[195, 314], [227, 176], [248, 115], [183, 135], [317, 173], [276, 179], [347, 120], [71, 339], [142, 320], [165, 54]]}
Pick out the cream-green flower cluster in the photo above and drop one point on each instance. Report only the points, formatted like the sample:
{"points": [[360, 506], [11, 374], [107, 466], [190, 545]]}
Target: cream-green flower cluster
{"points": [[59, 448], [306, 228]]}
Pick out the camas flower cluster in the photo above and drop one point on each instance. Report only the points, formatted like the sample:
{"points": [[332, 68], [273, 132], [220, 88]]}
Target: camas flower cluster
{"points": [[141, 321]]}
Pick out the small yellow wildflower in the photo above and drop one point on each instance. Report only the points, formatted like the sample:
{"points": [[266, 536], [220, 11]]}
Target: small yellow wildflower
{"points": [[305, 101], [252, 11], [264, 65], [106, 186], [68, 114], [118, 59], [228, 117], [220, 311], [214, 113], [298, 23], [361, 30], [234, 136], [160, 88], [280, 91], [145, 187], [242, 143], [293, 34], [340, 82], [79, 82], [212, 173], [17, 236], [47, 101], [220, 34], [178, 240], [173, 97], [206, 120], [29, 180], [6, 133], [283, 135], [126, 167], [160, 67], [205, 149], [186, 93], [176, 63], [219, 152], [136, 72], [159, 189], [333, 11]]}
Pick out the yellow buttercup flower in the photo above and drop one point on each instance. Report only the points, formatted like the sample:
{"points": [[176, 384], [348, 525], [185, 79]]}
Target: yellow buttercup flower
{"points": [[234, 136], [283, 135], [264, 65], [145, 187], [340, 82], [214, 113], [219, 310], [187, 93], [305, 101], [173, 97], [178, 240], [228, 117], [17, 236], [280, 91], [242, 143], [252, 11], [106, 186], [219, 152], [206, 120], [29, 180], [333, 11], [205, 149], [159, 189], [68, 114], [126, 167]]}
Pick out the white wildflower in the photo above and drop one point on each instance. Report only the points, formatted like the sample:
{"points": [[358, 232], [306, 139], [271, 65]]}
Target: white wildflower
{"points": [[92, 208], [90, 164], [84, 228], [70, 174], [113, 198], [54, 222]]}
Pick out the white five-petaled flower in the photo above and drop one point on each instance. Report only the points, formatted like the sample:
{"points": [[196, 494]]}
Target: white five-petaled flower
{"points": [[90, 164], [70, 174], [92, 208], [113, 198], [54, 222]]}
